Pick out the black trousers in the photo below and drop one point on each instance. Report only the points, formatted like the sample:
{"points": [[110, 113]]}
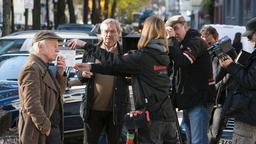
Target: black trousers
{"points": [[55, 134], [158, 132], [99, 122]]}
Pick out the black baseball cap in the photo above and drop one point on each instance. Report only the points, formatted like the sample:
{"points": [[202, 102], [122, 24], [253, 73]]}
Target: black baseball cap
{"points": [[250, 27]]}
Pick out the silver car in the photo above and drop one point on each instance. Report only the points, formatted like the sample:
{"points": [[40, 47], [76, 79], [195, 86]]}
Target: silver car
{"points": [[22, 41]]}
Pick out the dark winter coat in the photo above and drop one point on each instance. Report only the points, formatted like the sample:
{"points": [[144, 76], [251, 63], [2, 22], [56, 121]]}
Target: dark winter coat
{"points": [[150, 82], [121, 100], [193, 77], [245, 79]]}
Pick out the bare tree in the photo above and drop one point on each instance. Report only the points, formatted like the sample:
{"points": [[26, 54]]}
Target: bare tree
{"points": [[96, 12], [113, 9], [85, 12], [60, 13], [12, 16], [106, 8], [47, 14], [6, 17], [36, 15], [72, 17]]}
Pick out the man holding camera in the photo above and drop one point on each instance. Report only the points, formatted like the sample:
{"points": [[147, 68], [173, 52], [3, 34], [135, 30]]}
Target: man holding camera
{"points": [[224, 82], [245, 78], [194, 85]]}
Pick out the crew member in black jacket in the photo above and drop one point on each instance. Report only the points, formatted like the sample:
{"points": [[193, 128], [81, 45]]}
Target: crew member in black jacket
{"points": [[245, 78], [193, 86], [148, 67]]}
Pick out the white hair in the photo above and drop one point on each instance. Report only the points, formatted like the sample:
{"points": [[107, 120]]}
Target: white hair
{"points": [[111, 21], [34, 48]]}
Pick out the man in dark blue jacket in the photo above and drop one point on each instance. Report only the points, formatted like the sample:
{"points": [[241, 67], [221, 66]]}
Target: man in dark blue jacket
{"points": [[194, 85], [245, 78]]}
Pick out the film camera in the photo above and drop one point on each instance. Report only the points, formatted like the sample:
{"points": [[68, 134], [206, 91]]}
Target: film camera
{"points": [[220, 48], [130, 41]]}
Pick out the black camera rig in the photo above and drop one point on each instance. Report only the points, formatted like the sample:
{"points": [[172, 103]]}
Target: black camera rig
{"points": [[220, 48]]}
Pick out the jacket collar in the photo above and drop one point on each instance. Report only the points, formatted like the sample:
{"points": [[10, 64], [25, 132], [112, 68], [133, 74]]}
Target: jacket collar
{"points": [[118, 46], [42, 65], [48, 78]]}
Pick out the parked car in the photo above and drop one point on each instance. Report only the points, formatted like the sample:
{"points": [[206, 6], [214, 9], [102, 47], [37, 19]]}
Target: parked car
{"points": [[22, 41], [76, 27]]}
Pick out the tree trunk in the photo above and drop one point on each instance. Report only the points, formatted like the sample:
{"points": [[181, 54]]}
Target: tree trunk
{"points": [[85, 12], [106, 7], [12, 15], [61, 17], [95, 17], [55, 20], [6, 17], [26, 18], [113, 10], [211, 11], [47, 14], [72, 17], [36, 15]]}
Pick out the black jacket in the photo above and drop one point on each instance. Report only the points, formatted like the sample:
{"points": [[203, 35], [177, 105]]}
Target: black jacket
{"points": [[150, 82], [245, 79], [121, 99], [193, 78]]}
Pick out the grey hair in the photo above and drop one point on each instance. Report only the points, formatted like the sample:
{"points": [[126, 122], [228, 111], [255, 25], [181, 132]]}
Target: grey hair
{"points": [[34, 48], [109, 21]]}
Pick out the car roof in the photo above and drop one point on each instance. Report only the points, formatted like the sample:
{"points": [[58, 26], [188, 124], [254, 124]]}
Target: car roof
{"points": [[64, 34], [16, 53], [26, 53]]}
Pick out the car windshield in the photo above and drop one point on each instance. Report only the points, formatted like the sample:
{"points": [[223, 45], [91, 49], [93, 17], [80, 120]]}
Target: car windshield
{"points": [[85, 28], [10, 66], [10, 45]]}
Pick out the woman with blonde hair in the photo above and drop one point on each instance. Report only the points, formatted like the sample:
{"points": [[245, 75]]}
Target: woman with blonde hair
{"points": [[148, 68]]}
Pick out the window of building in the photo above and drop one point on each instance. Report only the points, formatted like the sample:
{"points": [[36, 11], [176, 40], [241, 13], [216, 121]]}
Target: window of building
{"points": [[228, 7], [247, 10]]}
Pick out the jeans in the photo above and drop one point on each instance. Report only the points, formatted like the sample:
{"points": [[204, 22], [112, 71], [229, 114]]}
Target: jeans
{"points": [[196, 121]]}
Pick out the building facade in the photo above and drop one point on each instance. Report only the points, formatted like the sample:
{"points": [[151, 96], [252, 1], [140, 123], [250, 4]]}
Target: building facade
{"points": [[234, 12]]}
